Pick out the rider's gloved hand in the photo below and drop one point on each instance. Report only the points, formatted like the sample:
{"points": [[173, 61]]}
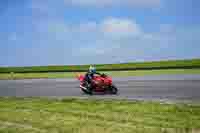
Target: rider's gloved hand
{"points": [[103, 75]]}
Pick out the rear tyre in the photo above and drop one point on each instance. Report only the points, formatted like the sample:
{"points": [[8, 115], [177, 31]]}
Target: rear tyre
{"points": [[89, 90], [84, 91]]}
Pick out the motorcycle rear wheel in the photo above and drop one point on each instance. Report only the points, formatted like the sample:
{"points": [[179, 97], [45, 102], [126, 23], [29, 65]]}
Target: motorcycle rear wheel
{"points": [[88, 91]]}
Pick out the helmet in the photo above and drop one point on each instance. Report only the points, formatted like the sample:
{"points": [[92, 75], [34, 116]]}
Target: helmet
{"points": [[92, 69]]}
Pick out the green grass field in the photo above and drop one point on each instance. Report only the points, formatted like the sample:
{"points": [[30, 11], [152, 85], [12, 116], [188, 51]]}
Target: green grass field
{"points": [[35, 115], [138, 65], [4, 76]]}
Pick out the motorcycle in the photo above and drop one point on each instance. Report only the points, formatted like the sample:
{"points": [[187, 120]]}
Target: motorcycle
{"points": [[99, 84]]}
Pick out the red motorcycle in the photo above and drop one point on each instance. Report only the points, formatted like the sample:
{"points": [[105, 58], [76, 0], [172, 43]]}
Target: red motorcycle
{"points": [[101, 84]]}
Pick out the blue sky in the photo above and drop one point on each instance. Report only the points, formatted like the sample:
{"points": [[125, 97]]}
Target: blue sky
{"points": [[63, 32]]}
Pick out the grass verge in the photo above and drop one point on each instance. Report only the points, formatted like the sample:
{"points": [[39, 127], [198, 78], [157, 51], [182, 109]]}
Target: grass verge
{"points": [[36, 115], [169, 64], [111, 73]]}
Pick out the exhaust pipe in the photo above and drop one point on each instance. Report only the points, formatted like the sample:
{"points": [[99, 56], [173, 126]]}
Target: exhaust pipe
{"points": [[83, 87]]}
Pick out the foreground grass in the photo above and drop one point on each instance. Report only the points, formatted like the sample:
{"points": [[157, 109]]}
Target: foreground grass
{"points": [[111, 73], [92, 116]]}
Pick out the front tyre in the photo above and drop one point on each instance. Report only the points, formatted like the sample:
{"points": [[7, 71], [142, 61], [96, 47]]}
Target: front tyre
{"points": [[114, 89]]}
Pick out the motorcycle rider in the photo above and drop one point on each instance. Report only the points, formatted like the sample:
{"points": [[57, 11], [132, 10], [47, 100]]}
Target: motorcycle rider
{"points": [[90, 74]]}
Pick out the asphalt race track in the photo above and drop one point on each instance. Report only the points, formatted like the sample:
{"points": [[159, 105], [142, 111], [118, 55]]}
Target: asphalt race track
{"points": [[171, 88]]}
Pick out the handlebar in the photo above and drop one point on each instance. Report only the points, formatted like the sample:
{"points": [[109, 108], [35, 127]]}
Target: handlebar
{"points": [[103, 75]]}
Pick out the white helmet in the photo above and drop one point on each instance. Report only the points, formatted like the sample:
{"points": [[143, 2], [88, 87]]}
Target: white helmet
{"points": [[92, 69]]}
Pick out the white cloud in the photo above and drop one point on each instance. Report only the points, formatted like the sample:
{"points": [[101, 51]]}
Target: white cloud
{"points": [[113, 39], [93, 38], [112, 3], [109, 28], [120, 27]]}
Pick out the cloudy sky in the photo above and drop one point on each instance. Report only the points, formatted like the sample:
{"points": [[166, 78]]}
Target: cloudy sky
{"points": [[57, 32]]}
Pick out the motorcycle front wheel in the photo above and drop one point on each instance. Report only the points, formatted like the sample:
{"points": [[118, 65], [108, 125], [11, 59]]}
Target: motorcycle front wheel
{"points": [[114, 89]]}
